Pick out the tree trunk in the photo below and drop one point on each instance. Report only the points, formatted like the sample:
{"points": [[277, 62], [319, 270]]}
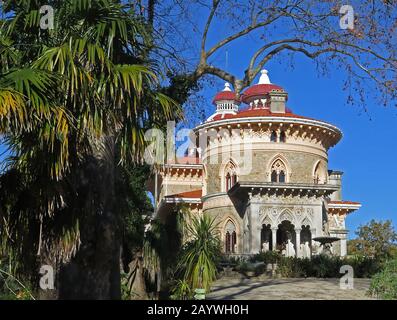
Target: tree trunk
{"points": [[136, 280], [47, 259], [94, 272]]}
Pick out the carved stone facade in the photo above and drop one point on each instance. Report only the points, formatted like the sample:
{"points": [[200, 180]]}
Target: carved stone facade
{"points": [[263, 174]]}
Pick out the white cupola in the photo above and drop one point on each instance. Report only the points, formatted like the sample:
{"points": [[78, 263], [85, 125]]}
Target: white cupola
{"points": [[225, 102]]}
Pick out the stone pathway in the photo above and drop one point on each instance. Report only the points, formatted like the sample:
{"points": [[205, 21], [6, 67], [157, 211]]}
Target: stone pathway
{"points": [[287, 289]]}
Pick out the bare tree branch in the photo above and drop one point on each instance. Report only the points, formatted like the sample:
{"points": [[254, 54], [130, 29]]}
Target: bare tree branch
{"points": [[203, 55], [242, 33], [301, 26]]}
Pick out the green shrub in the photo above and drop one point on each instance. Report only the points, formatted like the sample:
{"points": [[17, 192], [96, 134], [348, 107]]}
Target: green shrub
{"points": [[320, 266], [181, 291], [12, 288], [364, 267], [267, 257], [201, 254], [246, 267], [286, 267], [242, 266], [323, 266], [384, 283], [291, 267], [226, 260]]}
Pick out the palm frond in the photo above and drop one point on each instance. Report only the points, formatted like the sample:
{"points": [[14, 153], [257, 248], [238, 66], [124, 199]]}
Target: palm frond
{"points": [[200, 253]]}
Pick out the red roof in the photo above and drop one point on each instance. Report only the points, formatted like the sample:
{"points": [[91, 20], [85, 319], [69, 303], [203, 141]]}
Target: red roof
{"points": [[225, 95], [259, 90], [246, 113], [188, 160], [185, 160], [188, 194]]}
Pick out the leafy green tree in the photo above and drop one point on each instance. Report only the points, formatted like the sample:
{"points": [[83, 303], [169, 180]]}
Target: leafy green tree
{"points": [[75, 103], [374, 239]]}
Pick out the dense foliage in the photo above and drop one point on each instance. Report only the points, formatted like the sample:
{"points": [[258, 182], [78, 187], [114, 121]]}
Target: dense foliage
{"points": [[384, 283], [375, 239], [320, 266], [11, 287], [75, 103]]}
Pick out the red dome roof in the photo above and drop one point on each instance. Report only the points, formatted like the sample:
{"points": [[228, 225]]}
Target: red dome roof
{"points": [[245, 113], [225, 95], [259, 90]]}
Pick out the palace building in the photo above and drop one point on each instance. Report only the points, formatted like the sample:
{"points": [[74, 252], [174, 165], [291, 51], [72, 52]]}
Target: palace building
{"points": [[262, 171]]}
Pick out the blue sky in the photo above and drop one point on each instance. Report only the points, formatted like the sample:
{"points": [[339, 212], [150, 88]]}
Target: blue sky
{"points": [[367, 152]]}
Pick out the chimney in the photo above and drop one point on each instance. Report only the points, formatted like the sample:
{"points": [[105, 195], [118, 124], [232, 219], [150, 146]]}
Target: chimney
{"points": [[335, 178], [277, 100]]}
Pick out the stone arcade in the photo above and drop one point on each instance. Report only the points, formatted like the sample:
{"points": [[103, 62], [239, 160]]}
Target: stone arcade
{"points": [[280, 196]]}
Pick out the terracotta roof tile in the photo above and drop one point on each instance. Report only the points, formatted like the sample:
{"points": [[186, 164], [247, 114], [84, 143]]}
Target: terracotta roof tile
{"points": [[259, 90], [188, 194], [225, 95], [247, 113], [187, 160]]}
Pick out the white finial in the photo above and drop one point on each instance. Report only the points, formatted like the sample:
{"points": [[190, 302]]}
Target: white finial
{"points": [[227, 87], [264, 78]]}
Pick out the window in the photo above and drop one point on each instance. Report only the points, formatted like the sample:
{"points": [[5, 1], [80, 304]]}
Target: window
{"points": [[234, 179], [320, 173], [234, 241], [230, 237], [231, 242], [281, 177], [278, 171], [283, 136], [228, 242], [273, 136], [231, 176], [274, 176], [228, 181]]}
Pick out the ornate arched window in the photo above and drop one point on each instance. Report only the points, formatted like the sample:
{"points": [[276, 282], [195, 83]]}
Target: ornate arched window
{"points": [[231, 177], [278, 171], [234, 178], [281, 177], [230, 237], [320, 173], [274, 176], [283, 136], [273, 136], [228, 181]]}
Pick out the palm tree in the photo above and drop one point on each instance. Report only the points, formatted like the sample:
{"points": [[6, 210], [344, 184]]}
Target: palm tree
{"points": [[201, 253], [75, 104]]}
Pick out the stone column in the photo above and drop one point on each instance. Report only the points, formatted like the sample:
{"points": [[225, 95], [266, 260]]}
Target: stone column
{"points": [[254, 228], [246, 234], [298, 242], [274, 238], [343, 247], [313, 243]]}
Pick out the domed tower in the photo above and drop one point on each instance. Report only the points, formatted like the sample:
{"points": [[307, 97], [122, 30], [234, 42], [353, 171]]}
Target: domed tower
{"points": [[226, 103], [266, 177], [265, 95], [263, 173]]}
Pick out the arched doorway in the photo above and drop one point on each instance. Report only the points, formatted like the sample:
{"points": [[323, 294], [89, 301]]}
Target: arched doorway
{"points": [[285, 235], [266, 238]]}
